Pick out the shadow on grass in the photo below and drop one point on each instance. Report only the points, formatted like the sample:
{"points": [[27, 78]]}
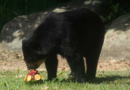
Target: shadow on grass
{"points": [[108, 79], [34, 82], [99, 80]]}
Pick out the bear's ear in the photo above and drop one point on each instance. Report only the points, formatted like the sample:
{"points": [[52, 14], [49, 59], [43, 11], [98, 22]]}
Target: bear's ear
{"points": [[23, 41]]}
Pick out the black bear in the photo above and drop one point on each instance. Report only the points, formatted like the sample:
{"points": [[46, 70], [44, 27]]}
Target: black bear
{"points": [[72, 34]]}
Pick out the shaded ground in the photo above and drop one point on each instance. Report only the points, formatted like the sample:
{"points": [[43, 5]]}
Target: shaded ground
{"points": [[13, 60]]}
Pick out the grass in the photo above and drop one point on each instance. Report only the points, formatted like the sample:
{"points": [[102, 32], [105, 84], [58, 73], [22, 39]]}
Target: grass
{"points": [[108, 80]]}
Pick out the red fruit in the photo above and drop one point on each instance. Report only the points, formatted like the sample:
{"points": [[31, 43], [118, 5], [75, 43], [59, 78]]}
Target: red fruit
{"points": [[33, 72], [33, 75]]}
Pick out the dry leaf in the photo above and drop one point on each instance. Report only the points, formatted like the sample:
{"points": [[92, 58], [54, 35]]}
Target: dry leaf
{"points": [[127, 81], [100, 66], [19, 76], [115, 81], [63, 69], [4, 63], [45, 88], [101, 74]]}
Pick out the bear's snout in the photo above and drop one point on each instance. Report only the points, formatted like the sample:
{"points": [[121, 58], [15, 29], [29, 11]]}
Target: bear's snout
{"points": [[32, 66]]}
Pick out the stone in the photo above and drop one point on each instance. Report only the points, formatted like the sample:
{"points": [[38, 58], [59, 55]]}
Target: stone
{"points": [[117, 40]]}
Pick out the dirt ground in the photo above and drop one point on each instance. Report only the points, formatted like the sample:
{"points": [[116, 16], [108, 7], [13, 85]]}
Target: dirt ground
{"points": [[14, 60]]}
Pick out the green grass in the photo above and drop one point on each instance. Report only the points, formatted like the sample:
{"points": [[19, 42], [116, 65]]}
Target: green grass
{"points": [[108, 80]]}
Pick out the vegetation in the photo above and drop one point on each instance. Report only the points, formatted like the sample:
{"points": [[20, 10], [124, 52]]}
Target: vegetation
{"points": [[13, 8], [116, 8], [108, 80]]}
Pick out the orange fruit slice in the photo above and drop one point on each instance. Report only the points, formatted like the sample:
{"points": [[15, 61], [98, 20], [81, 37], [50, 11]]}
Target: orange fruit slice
{"points": [[25, 79], [41, 76], [37, 77], [29, 78]]}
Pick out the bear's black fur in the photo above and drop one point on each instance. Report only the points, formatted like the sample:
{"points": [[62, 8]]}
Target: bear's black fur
{"points": [[73, 34]]}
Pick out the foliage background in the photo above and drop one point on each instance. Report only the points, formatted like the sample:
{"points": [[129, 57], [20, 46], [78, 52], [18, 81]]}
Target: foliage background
{"points": [[13, 8]]}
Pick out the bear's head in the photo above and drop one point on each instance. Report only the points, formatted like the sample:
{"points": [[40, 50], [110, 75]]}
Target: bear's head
{"points": [[32, 53]]}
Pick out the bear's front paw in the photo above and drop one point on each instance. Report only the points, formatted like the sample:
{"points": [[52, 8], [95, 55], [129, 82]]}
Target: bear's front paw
{"points": [[80, 80]]}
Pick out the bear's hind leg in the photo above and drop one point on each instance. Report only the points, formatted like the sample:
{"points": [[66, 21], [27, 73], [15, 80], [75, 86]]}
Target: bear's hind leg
{"points": [[72, 67], [76, 64], [92, 56]]}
